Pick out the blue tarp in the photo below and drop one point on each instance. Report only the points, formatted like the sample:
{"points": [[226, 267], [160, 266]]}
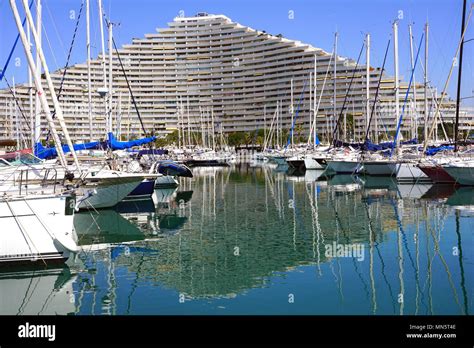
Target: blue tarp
{"points": [[50, 152], [434, 150], [114, 144], [152, 152], [370, 146]]}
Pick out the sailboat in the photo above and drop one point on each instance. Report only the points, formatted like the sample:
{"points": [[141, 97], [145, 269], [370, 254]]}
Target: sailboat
{"points": [[461, 169], [402, 165], [38, 226], [343, 160]]}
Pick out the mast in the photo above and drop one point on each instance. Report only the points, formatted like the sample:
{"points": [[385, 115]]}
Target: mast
{"points": [[458, 98], [213, 129], [57, 107], [118, 119], [278, 125], [310, 103], [30, 92], [264, 122], [334, 86], [89, 86], [315, 111], [367, 84], [17, 121], [425, 128], [414, 120], [102, 41], [109, 119], [37, 126], [178, 111], [396, 83], [189, 126], [37, 81], [291, 112]]}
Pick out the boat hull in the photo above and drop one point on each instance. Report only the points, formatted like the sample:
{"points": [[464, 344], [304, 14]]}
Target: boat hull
{"points": [[109, 192], [437, 174], [343, 167], [462, 175], [37, 230], [410, 173], [380, 168], [311, 163], [144, 190], [279, 160], [166, 182], [298, 164]]}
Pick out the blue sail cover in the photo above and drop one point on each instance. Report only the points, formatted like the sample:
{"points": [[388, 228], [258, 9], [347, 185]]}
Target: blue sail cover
{"points": [[114, 144], [435, 149], [370, 146], [51, 152]]}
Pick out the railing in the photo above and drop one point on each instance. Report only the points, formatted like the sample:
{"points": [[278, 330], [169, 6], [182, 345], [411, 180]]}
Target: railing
{"points": [[50, 174]]}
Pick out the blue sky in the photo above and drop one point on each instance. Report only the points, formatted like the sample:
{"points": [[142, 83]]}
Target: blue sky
{"points": [[314, 22]]}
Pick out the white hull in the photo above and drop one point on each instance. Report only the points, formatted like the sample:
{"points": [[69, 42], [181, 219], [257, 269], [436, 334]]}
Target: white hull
{"points": [[310, 163], [37, 229], [166, 181], [108, 194], [410, 173]]}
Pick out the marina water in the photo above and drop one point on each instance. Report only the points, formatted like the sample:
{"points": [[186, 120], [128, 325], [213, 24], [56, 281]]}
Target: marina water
{"points": [[254, 239]]}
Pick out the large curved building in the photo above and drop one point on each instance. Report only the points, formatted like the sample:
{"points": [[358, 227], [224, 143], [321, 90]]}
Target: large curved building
{"points": [[207, 72]]}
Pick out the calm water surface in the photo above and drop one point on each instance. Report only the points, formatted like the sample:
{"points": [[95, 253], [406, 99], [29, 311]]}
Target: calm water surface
{"points": [[257, 240]]}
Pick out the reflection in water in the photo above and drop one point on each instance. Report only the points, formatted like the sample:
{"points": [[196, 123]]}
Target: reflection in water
{"points": [[37, 292], [241, 240]]}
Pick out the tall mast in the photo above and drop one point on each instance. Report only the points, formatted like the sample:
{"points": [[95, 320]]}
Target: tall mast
{"points": [[315, 94], [367, 85], [264, 122], [102, 41], [37, 81], [30, 92], [109, 119], [189, 126], [334, 86], [37, 126], [291, 111], [277, 124], [17, 121], [178, 128], [414, 120], [212, 129], [425, 128], [310, 104], [89, 85], [395, 51], [458, 98], [57, 107]]}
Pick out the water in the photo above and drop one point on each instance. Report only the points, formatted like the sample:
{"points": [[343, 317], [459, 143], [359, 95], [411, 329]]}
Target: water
{"points": [[255, 240]]}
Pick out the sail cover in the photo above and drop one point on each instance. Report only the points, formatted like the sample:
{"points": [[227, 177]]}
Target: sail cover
{"points": [[114, 144], [51, 152]]}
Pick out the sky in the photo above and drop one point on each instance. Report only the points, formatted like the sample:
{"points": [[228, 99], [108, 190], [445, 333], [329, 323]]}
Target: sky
{"points": [[309, 21]]}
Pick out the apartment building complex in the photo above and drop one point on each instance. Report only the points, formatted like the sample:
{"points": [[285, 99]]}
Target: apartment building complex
{"points": [[207, 70]]}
